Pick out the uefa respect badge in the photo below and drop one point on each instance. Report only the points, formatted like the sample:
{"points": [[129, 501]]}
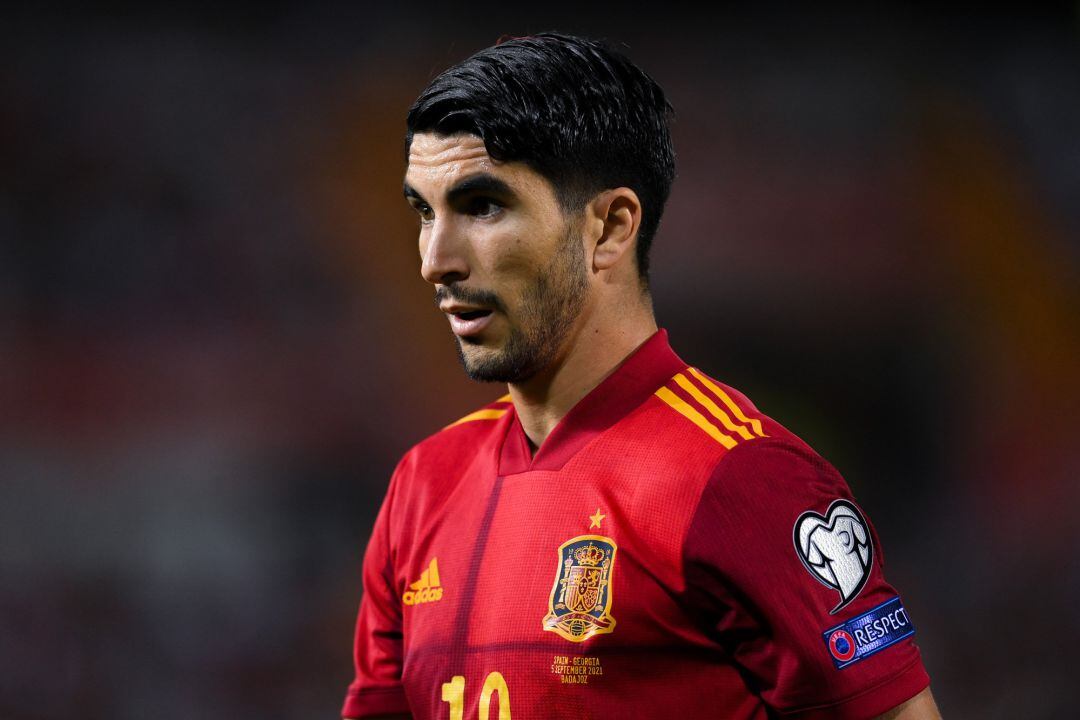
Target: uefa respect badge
{"points": [[866, 634]]}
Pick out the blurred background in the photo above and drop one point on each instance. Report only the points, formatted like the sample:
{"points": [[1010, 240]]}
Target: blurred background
{"points": [[215, 342]]}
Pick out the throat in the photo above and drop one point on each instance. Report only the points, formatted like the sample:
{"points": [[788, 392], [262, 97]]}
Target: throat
{"points": [[537, 428]]}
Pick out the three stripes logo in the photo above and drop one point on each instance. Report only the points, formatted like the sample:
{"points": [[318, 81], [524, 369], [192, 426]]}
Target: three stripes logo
{"points": [[427, 589], [707, 405]]}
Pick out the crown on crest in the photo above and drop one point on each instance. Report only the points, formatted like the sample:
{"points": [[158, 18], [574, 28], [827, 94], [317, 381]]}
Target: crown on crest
{"points": [[589, 555]]}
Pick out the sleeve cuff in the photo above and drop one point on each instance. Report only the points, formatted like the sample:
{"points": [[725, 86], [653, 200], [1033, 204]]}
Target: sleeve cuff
{"points": [[871, 702], [375, 701]]}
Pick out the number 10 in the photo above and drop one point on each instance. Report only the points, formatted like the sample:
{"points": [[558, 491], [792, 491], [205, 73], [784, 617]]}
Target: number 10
{"points": [[453, 692]]}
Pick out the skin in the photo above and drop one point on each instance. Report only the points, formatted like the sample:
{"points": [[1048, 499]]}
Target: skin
{"points": [[501, 243], [494, 245], [920, 707]]}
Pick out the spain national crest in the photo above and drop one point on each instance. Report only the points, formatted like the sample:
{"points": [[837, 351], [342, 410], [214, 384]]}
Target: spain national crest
{"points": [[580, 601]]}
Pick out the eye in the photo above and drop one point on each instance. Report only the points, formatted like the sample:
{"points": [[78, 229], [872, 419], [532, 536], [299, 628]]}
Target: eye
{"points": [[425, 212], [484, 207]]}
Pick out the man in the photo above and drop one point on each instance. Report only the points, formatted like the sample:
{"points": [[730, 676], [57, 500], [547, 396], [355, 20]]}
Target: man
{"points": [[621, 536]]}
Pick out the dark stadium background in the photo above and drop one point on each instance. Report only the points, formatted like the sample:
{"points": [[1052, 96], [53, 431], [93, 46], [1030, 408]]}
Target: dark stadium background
{"points": [[215, 343]]}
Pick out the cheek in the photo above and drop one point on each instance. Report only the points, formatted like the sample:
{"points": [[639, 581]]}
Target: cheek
{"points": [[510, 255], [507, 256]]}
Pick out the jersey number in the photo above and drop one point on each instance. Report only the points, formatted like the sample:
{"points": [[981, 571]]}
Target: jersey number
{"points": [[453, 692]]}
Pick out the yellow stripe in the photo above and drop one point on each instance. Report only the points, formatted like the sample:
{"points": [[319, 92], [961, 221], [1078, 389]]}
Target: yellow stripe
{"points": [[695, 417], [505, 398], [486, 414], [753, 422], [711, 406]]}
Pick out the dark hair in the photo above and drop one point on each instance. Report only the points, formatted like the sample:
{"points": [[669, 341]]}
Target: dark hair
{"points": [[576, 111]]}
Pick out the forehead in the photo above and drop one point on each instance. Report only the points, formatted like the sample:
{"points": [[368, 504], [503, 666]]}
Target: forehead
{"points": [[433, 156], [438, 162]]}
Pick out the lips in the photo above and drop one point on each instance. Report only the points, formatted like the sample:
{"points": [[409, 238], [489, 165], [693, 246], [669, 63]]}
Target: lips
{"points": [[466, 322]]}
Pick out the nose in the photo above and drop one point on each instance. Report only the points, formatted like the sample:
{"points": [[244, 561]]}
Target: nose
{"points": [[443, 254]]}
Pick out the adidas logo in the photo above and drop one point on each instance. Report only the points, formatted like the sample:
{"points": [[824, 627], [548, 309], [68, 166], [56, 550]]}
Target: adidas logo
{"points": [[427, 588]]}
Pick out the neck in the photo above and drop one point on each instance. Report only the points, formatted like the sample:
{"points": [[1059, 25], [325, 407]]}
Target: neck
{"points": [[597, 346]]}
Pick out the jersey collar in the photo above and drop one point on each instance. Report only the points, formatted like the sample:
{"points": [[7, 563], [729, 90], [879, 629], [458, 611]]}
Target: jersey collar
{"points": [[631, 384]]}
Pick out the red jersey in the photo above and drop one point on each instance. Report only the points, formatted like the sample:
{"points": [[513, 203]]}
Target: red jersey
{"points": [[669, 551]]}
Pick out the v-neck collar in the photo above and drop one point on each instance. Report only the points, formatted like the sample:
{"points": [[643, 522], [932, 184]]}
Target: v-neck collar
{"points": [[631, 383]]}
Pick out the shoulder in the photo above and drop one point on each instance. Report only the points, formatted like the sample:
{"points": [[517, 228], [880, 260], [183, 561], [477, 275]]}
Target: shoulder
{"points": [[429, 472], [696, 413], [458, 441], [763, 465], [764, 487], [691, 430], [742, 462]]}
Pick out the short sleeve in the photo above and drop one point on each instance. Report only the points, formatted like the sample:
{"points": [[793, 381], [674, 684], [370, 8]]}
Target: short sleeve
{"points": [[377, 649], [785, 572]]}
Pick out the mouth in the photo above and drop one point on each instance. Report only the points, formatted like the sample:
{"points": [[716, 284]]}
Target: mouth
{"points": [[471, 314], [468, 322]]}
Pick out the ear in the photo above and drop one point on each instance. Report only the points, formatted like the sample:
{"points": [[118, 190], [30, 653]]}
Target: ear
{"points": [[613, 218]]}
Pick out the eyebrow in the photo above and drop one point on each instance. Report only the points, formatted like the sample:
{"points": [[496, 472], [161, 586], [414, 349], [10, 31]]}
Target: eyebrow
{"points": [[479, 183]]}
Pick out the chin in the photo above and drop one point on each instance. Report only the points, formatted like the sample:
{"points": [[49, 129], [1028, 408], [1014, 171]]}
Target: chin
{"points": [[478, 360], [491, 365]]}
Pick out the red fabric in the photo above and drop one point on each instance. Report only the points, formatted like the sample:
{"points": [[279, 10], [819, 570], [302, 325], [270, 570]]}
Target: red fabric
{"points": [[714, 614], [747, 583], [377, 653]]}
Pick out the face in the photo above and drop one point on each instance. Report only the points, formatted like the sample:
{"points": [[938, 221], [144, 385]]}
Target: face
{"points": [[508, 266]]}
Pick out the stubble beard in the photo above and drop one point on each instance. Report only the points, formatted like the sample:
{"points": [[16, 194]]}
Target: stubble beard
{"points": [[549, 307]]}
